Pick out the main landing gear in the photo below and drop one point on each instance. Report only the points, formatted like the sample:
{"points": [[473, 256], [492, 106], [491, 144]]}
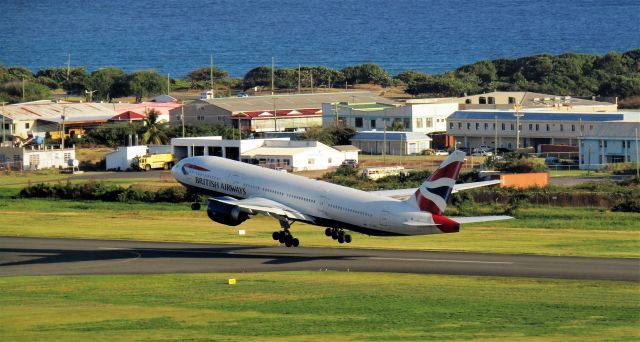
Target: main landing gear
{"points": [[195, 206], [338, 234], [285, 236]]}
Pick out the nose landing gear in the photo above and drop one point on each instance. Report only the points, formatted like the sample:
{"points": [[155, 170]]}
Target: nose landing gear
{"points": [[338, 234]]}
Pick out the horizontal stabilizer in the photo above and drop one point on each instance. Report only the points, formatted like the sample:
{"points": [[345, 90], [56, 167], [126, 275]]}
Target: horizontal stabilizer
{"points": [[463, 220], [404, 193]]}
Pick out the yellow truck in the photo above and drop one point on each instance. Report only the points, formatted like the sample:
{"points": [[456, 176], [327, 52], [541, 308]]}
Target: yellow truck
{"points": [[163, 161]]}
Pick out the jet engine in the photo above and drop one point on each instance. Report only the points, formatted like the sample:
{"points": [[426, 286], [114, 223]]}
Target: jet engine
{"points": [[226, 214]]}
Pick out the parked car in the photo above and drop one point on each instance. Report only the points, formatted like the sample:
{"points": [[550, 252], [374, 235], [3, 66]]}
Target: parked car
{"points": [[442, 153], [242, 94], [350, 162], [552, 160], [482, 153]]}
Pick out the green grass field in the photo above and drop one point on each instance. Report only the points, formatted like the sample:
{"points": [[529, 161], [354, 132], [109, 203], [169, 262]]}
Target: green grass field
{"points": [[551, 231], [303, 306]]}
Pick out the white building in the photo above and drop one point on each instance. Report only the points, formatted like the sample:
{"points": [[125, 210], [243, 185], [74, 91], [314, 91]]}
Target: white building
{"points": [[397, 143], [277, 152], [36, 157], [421, 117], [122, 158], [473, 128], [611, 142]]}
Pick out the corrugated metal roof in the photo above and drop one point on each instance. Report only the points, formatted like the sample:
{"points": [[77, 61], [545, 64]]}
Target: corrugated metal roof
{"points": [[536, 115], [293, 101], [615, 130], [391, 136]]}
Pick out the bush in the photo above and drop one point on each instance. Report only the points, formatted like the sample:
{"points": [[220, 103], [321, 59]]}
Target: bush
{"points": [[631, 204], [107, 193]]}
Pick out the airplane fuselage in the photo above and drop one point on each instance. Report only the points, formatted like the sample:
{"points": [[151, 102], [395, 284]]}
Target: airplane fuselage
{"points": [[325, 204]]}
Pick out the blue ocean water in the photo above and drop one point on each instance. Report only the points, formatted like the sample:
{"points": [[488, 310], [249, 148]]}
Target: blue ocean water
{"points": [[177, 36]]}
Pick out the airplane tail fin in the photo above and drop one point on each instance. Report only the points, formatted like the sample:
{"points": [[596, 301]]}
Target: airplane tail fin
{"points": [[433, 194]]}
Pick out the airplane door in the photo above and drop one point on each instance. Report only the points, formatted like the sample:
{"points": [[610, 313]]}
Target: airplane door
{"points": [[384, 218]]}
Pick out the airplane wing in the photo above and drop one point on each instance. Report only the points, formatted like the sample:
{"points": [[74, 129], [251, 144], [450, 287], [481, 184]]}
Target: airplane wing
{"points": [[259, 205], [463, 220], [404, 193]]}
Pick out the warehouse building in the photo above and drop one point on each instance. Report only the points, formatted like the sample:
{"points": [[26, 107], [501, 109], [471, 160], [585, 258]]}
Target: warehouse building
{"points": [[473, 128], [274, 153], [611, 142], [256, 113], [362, 116], [36, 157], [396, 143]]}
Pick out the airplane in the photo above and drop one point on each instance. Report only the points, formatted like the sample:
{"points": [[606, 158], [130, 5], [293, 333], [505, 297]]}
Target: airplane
{"points": [[240, 190]]}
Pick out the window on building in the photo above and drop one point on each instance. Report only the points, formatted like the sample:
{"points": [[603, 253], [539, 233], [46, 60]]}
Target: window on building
{"points": [[482, 100], [26, 125], [34, 159], [503, 125], [67, 156], [512, 100], [477, 126], [512, 127], [419, 123], [468, 125], [311, 161], [531, 127], [359, 123], [467, 101], [429, 122], [486, 126], [373, 123], [605, 144], [561, 128], [548, 128], [450, 125], [406, 123], [537, 127], [573, 128], [459, 125], [494, 126], [492, 100]]}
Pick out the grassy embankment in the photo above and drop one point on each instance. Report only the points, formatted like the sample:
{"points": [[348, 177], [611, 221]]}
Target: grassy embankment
{"points": [[305, 306]]}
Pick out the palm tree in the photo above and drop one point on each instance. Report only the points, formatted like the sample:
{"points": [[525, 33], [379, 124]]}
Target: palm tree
{"points": [[154, 130]]}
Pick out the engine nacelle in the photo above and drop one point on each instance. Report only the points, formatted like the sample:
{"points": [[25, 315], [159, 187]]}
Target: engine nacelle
{"points": [[226, 214]]}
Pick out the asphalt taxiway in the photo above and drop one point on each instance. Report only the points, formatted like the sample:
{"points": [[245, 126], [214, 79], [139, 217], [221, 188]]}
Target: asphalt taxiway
{"points": [[43, 256]]}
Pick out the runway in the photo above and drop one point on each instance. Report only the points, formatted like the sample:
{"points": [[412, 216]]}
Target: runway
{"points": [[41, 256]]}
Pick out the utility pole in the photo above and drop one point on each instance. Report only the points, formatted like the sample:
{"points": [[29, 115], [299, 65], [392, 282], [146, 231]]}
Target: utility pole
{"points": [[299, 79], [518, 115], [637, 160], [495, 138], [273, 68], [275, 116], [23, 95], [4, 130], [168, 84], [68, 67], [182, 117], [64, 109], [384, 143], [311, 74], [213, 92]]}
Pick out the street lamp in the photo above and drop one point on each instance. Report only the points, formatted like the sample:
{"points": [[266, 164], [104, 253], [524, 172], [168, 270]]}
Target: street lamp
{"points": [[275, 116], [518, 115], [3, 127]]}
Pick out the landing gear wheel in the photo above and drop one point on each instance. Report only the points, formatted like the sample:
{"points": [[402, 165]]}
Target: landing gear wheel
{"points": [[327, 232], [288, 243], [276, 235], [334, 235], [341, 239], [295, 242], [281, 238], [347, 238], [195, 206]]}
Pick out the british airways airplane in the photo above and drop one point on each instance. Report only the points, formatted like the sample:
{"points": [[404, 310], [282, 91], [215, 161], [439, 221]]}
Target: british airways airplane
{"points": [[240, 190]]}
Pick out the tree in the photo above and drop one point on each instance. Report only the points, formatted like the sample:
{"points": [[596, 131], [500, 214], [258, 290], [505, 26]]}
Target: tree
{"points": [[12, 91], [329, 136], [107, 83], [366, 73], [154, 131], [145, 83], [75, 83], [257, 77], [204, 75]]}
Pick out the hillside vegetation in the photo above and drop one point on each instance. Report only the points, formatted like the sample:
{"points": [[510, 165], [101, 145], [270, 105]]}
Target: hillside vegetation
{"points": [[613, 74]]}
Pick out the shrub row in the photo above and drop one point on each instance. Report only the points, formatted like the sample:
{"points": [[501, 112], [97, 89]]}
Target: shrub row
{"points": [[102, 192]]}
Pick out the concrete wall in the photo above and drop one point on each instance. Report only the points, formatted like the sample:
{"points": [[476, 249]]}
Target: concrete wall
{"points": [[37, 158]]}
